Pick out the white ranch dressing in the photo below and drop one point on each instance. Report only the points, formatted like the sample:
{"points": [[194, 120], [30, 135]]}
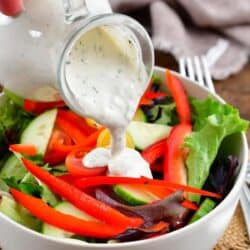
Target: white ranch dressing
{"points": [[106, 78]]}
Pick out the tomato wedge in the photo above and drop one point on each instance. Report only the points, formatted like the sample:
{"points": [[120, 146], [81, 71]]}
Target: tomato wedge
{"points": [[71, 129], [52, 155], [90, 143], [64, 221], [180, 97], [174, 162], [75, 165], [26, 149]]}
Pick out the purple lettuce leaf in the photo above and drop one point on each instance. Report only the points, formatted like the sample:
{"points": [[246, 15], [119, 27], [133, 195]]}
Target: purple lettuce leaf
{"points": [[221, 174], [168, 210], [140, 233]]}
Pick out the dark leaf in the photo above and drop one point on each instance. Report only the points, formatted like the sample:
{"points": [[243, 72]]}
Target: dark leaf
{"points": [[139, 233], [221, 174], [11, 182], [160, 100], [31, 189], [168, 209], [26, 187]]}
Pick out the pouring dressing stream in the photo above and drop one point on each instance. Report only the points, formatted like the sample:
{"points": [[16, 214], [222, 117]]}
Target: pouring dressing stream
{"points": [[105, 78]]}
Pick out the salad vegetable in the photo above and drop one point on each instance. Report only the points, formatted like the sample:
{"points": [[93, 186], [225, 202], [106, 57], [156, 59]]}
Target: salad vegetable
{"points": [[213, 122], [70, 223], [174, 162], [45, 186]]}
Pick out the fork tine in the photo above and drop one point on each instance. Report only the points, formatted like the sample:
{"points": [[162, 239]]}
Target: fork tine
{"points": [[190, 69], [198, 70], [207, 74], [182, 66]]}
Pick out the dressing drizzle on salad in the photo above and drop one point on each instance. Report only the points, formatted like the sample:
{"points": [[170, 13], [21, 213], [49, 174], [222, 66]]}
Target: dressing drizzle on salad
{"points": [[106, 78]]}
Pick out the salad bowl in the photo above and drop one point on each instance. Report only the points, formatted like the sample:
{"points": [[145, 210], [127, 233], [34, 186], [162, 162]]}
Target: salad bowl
{"points": [[201, 235]]}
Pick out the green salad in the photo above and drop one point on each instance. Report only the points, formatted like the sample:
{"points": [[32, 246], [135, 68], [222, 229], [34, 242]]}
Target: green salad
{"points": [[187, 143]]}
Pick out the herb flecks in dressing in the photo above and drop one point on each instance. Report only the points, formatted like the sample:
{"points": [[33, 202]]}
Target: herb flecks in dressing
{"points": [[106, 78]]}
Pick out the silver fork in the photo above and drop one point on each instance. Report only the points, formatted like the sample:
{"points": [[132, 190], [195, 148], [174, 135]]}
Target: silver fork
{"points": [[197, 70]]}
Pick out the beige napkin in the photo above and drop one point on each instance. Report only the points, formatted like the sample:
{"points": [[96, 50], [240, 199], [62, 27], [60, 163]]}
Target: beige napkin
{"points": [[195, 27]]}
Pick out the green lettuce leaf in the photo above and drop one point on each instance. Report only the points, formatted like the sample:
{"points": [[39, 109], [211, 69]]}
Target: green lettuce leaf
{"points": [[13, 119], [213, 122]]}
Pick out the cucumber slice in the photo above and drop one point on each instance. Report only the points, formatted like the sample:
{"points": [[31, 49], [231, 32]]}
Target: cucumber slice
{"points": [[18, 213], [133, 195], [3, 186], [39, 131], [66, 208], [140, 116], [145, 134], [49, 197], [206, 206], [13, 168]]}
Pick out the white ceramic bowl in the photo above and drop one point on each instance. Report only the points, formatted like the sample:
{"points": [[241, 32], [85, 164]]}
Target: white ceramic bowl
{"points": [[201, 235]]}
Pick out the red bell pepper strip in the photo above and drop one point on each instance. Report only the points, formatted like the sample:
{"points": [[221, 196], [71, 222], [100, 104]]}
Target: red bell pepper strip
{"points": [[149, 95], [77, 120], [76, 168], [158, 191], [157, 167], [112, 180], [39, 107], [68, 127], [64, 221], [89, 142], [81, 200], [161, 226], [190, 205], [180, 97], [154, 151], [26, 149], [67, 178], [145, 101], [153, 95], [174, 162]]}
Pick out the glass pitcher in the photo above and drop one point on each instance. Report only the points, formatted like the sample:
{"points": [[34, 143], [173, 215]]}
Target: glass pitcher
{"points": [[33, 44]]}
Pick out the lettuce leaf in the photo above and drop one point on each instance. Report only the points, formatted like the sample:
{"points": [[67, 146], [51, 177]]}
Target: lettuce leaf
{"points": [[13, 119], [213, 122]]}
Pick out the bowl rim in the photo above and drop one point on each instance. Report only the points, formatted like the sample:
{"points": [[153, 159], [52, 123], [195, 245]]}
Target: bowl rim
{"points": [[233, 193]]}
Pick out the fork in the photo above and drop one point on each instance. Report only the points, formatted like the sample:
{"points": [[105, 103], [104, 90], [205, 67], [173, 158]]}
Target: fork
{"points": [[197, 69]]}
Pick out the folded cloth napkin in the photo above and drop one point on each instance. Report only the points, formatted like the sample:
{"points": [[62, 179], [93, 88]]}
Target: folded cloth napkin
{"points": [[197, 27]]}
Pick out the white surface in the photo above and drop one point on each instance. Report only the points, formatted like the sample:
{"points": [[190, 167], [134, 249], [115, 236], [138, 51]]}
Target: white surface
{"points": [[201, 235]]}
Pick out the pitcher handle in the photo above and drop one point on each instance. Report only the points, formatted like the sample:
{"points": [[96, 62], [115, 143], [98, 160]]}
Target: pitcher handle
{"points": [[79, 9]]}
